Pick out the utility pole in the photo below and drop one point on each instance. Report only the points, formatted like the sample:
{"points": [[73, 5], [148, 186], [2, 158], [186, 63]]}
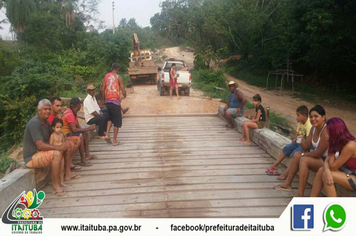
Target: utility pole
{"points": [[113, 17]]}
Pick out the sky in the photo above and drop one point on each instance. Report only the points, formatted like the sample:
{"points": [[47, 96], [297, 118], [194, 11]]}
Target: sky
{"points": [[141, 10]]}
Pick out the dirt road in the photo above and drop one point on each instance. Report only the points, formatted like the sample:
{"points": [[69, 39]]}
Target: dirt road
{"points": [[176, 53], [146, 99]]}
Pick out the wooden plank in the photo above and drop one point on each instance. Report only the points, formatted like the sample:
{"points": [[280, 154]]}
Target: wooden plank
{"points": [[200, 151], [163, 197], [176, 145], [135, 183], [73, 193], [192, 205], [113, 169], [195, 168], [162, 164], [118, 157], [231, 212]]}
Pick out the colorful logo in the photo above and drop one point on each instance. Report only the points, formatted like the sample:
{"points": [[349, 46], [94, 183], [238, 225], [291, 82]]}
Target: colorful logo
{"points": [[23, 214], [303, 217], [334, 217]]}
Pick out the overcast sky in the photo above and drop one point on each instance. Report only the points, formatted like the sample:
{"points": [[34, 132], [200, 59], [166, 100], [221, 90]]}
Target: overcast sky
{"points": [[141, 10]]}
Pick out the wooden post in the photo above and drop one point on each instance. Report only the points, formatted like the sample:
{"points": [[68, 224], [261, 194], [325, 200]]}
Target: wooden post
{"points": [[267, 81]]}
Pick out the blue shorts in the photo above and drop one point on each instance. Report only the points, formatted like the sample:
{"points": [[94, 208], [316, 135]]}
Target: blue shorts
{"points": [[292, 148], [232, 111]]}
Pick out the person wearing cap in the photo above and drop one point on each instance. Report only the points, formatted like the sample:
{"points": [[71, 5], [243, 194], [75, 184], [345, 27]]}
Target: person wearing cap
{"points": [[92, 112], [37, 152], [173, 81], [71, 128], [234, 106], [112, 85]]}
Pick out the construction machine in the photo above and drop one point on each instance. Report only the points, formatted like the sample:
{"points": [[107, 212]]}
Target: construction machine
{"points": [[141, 66]]}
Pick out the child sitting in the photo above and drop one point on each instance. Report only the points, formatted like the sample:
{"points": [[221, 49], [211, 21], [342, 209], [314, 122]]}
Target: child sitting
{"points": [[57, 138], [302, 131], [258, 122]]}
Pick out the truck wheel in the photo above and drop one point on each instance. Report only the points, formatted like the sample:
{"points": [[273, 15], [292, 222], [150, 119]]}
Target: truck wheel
{"points": [[187, 92]]}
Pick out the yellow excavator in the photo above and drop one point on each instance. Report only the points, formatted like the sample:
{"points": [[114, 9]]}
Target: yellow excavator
{"points": [[141, 68]]}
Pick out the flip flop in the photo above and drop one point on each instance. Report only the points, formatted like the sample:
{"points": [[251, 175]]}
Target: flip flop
{"points": [[108, 140], [246, 143], [76, 168], [272, 172], [117, 143], [281, 188], [241, 139], [86, 164], [74, 177], [59, 194], [125, 110], [92, 157]]}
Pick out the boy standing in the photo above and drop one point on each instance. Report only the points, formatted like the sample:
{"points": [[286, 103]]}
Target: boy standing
{"points": [[303, 130]]}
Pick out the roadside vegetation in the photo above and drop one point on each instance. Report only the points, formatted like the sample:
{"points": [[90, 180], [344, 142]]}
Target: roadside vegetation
{"points": [[5, 162], [313, 38], [57, 52]]}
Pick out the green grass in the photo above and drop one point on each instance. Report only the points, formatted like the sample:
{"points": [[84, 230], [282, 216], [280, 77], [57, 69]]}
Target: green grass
{"points": [[5, 162]]}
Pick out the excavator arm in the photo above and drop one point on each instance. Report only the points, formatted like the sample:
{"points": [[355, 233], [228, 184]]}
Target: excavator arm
{"points": [[137, 50]]}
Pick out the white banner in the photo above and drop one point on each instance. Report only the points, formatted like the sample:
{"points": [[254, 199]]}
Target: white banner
{"points": [[303, 216]]}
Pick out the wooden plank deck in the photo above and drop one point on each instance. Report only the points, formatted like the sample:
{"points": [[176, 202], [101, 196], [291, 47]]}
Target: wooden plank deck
{"points": [[172, 167]]}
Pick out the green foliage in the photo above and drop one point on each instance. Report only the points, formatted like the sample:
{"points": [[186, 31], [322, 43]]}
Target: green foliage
{"points": [[207, 81], [19, 11], [5, 162], [316, 38], [57, 54], [9, 57], [277, 121]]}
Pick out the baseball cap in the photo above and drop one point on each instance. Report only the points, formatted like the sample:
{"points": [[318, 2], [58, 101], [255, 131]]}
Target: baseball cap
{"points": [[90, 86], [75, 101]]}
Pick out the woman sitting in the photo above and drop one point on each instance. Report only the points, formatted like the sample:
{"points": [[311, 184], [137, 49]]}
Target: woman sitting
{"points": [[340, 165], [317, 143]]}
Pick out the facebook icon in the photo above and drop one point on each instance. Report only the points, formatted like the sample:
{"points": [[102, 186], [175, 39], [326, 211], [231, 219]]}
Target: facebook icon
{"points": [[303, 217]]}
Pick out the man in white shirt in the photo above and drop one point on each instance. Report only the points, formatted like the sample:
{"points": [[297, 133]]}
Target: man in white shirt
{"points": [[92, 112]]}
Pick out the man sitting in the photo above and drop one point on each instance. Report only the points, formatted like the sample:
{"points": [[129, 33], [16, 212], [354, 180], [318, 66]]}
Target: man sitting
{"points": [[37, 151], [56, 109], [92, 112], [74, 142], [71, 128], [235, 105]]}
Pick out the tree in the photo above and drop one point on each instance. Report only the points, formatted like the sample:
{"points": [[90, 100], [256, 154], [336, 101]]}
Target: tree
{"points": [[18, 12]]}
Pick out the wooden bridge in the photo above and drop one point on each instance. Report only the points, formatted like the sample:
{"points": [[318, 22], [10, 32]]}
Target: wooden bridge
{"points": [[172, 166]]}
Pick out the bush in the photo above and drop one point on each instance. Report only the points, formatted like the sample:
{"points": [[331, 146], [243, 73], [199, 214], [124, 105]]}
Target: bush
{"points": [[5, 162]]}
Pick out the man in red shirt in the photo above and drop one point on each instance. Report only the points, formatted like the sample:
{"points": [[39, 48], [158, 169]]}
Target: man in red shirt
{"points": [[56, 109], [71, 128], [112, 85]]}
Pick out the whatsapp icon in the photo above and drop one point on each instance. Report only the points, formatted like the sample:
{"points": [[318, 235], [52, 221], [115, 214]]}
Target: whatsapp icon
{"points": [[334, 217]]}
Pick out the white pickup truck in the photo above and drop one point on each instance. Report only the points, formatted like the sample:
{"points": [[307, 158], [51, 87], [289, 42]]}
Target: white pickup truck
{"points": [[184, 78]]}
